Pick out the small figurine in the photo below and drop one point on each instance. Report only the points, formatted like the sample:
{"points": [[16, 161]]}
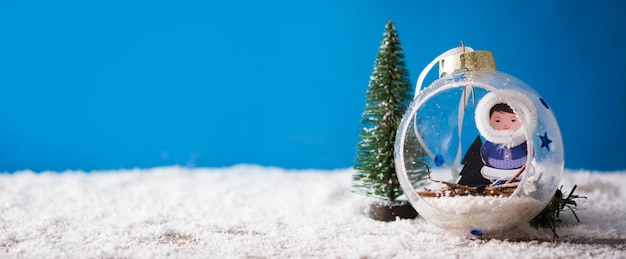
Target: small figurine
{"points": [[504, 151]]}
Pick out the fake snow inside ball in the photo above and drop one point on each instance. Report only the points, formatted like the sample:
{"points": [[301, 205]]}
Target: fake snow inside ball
{"points": [[479, 152]]}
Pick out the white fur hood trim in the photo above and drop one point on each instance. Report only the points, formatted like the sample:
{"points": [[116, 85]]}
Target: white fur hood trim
{"points": [[521, 105]]}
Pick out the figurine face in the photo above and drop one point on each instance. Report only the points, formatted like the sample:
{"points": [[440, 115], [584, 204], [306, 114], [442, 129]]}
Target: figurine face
{"points": [[504, 121]]}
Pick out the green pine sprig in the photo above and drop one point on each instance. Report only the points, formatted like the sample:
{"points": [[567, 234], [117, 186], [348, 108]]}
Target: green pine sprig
{"points": [[549, 216]]}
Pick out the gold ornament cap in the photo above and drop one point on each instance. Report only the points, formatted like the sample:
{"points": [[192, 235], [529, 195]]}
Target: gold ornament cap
{"points": [[470, 61]]}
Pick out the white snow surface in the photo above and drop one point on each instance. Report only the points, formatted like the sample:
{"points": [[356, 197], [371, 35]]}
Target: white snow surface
{"points": [[262, 212]]}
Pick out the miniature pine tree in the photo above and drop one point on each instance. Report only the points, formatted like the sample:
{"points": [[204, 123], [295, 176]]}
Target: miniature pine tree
{"points": [[388, 95]]}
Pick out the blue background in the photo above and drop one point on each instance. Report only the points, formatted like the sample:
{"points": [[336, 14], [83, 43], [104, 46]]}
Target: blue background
{"points": [[121, 84]]}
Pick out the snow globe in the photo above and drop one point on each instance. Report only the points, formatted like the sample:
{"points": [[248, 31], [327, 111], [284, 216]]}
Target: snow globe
{"points": [[478, 151]]}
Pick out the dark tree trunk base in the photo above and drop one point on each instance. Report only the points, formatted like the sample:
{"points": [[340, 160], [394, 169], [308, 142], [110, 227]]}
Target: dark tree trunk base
{"points": [[384, 211]]}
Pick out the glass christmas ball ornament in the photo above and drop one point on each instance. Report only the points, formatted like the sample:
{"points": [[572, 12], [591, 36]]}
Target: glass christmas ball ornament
{"points": [[478, 151]]}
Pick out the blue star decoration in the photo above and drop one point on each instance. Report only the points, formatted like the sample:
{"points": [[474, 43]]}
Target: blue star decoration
{"points": [[457, 78], [545, 141]]}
